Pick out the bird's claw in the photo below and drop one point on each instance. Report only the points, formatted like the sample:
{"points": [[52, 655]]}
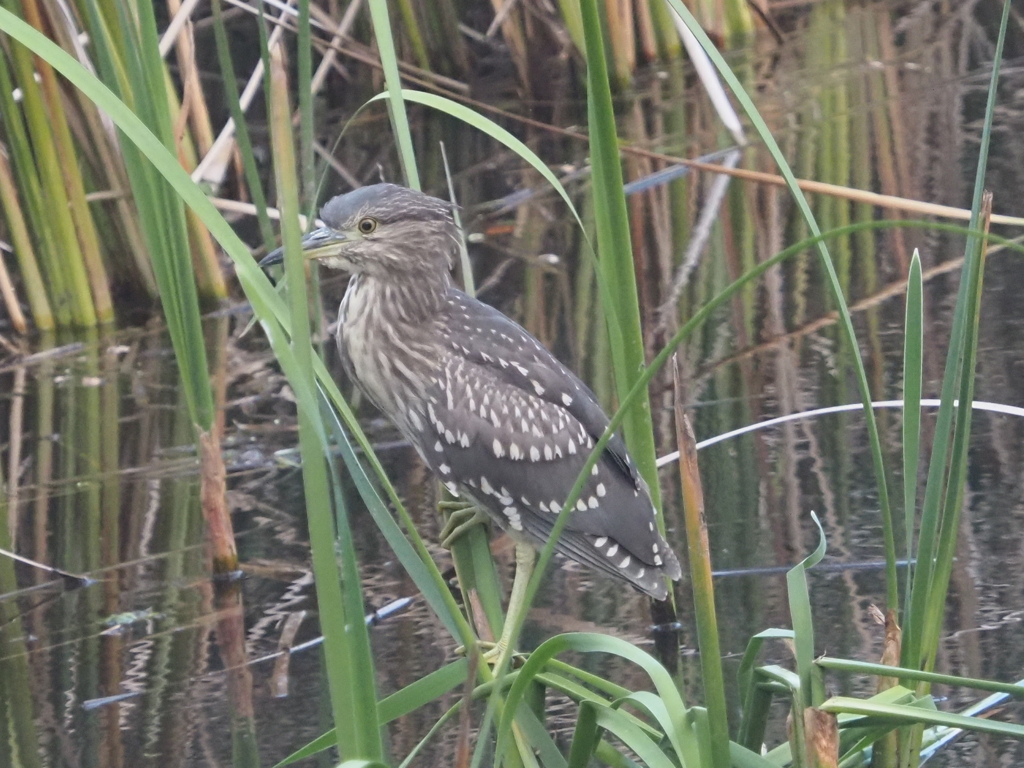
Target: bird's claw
{"points": [[493, 653], [461, 519]]}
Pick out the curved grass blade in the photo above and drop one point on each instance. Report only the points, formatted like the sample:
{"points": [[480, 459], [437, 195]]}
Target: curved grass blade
{"points": [[633, 737], [803, 626], [583, 642]]}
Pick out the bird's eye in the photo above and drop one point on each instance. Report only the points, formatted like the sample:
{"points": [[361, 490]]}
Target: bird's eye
{"points": [[367, 225]]}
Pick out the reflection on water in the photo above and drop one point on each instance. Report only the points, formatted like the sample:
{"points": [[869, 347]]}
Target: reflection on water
{"points": [[151, 664]]}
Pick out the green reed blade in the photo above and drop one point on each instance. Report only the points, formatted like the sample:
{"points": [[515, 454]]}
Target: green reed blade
{"points": [[304, 56], [884, 670], [346, 647], [636, 740], [615, 254], [913, 344], [252, 175], [415, 567], [396, 105], [911, 715], [585, 737], [803, 625], [583, 642]]}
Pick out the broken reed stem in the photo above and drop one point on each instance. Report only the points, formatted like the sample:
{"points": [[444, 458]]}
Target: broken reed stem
{"points": [[213, 495], [699, 557]]}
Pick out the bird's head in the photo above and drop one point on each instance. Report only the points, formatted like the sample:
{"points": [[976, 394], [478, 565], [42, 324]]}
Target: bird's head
{"points": [[383, 230]]}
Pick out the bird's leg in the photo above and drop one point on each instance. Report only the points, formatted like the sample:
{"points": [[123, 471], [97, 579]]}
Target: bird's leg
{"points": [[462, 515], [526, 556]]}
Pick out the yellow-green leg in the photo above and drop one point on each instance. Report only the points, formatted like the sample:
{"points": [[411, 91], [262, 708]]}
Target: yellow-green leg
{"points": [[526, 556]]}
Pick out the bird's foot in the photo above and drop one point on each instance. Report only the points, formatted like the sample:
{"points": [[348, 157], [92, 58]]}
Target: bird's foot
{"points": [[461, 518], [489, 645], [492, 654]]}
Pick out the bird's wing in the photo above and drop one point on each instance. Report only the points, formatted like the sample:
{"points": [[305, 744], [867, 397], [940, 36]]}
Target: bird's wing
{"points": [[503, 437], [518, 358]]}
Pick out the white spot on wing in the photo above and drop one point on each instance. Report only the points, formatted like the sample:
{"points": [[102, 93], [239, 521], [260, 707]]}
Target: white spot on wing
{"points": [[566, 399], [601, 490], [499, 451], [612, 550], [537, 387], [600, 542]]}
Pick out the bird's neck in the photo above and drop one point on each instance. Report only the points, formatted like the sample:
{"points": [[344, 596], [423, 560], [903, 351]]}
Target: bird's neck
{"points": [[412, 303], [388, 338]]}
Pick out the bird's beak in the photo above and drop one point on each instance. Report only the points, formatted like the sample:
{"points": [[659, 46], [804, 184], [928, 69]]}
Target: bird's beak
{"points": [[317, 244]]}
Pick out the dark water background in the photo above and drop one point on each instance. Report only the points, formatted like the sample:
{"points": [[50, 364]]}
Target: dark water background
{"points": [[102, 472]]}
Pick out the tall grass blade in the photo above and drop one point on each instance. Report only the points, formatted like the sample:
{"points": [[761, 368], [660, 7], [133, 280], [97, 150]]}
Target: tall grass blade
{"points": [[396, 105], [414, 566], [346, 651], [304, 54], [252, 176], [913, 344], [615, 253], [957, 478]]}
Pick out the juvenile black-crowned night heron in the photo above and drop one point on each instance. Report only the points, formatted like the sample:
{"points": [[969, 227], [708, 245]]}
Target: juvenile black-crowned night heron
{"points": [[492, 413]]}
